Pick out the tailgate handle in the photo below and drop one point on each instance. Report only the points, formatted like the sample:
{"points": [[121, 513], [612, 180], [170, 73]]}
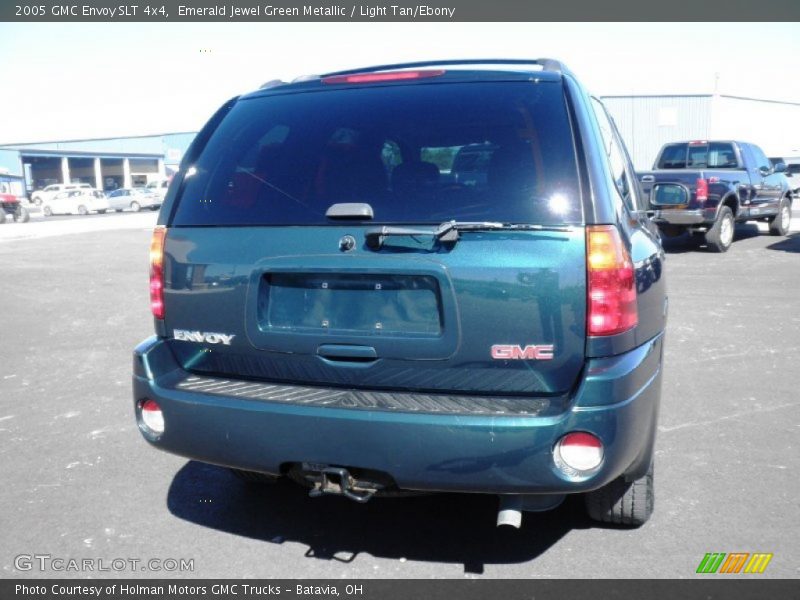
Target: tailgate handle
{"points": [[347, 352]]}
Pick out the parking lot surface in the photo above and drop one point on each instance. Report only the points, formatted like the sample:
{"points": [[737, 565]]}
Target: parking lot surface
{"points": [[79, 482]]}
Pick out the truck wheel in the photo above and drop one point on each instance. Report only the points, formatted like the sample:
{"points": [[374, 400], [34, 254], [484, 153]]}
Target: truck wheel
{"points": [[720, 237], [82, 210], [779, 224], [37, 201], [621, 502], [253, 476], [22, 215]]}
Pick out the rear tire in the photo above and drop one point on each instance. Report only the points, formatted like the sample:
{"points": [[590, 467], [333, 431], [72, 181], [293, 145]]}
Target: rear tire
{"points": [[37, 201], [82, 210], [628, 503], [135, 206], [48, 212], [253, 476], [779, 224], [720, 237], [22, 215]]}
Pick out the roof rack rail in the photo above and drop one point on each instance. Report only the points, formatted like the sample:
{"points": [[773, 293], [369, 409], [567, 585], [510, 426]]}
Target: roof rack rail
{"points": [[547, 64]]}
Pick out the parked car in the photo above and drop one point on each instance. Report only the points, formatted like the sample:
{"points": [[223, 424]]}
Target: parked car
{"points": [[11, 205], [133, 198], [368, 331], [76, 202], [40, 196], [792, 173], [705, 187], [159, 187]]}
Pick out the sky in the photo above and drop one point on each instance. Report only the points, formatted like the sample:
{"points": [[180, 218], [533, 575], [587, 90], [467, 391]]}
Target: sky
{"points": [[75, 81]]}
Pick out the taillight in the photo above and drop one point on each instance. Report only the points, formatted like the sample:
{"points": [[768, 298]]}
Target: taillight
{"points": [[611, 282], [385, 76], [701, 187], [157, 272]]}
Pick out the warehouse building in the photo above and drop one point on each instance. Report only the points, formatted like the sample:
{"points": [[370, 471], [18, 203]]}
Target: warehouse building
{"points": [[648, 122], [106, 164]]}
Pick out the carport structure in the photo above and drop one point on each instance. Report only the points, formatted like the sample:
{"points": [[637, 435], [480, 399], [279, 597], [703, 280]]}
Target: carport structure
{"points": [[105, 171]]}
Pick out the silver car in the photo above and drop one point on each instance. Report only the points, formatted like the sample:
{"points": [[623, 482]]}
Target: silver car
{"points": [[134, 199]]}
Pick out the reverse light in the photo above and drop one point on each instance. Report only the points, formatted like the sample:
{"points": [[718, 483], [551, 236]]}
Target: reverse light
{"points": [[152, 419], [157, 272], [701, 187], [611, 293], [379, 77], [578, 454]]}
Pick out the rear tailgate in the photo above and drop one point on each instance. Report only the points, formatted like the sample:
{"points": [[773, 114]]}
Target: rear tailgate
{"points": [[299, 310], [686, 178]]}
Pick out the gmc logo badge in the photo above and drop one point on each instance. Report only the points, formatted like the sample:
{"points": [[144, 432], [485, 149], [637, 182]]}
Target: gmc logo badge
{"points": [[529, 352]]}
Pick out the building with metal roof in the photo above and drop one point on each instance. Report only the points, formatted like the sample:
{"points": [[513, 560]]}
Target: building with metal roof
{"points": [[648, 122]]}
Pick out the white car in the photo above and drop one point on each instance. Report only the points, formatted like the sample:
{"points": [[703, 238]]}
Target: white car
{"points": [[40, 196], [134, 198], [159, 187], [72, 202]]}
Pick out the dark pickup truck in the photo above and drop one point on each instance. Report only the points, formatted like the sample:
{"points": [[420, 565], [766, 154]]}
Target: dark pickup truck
{"points": [[705, 187]]}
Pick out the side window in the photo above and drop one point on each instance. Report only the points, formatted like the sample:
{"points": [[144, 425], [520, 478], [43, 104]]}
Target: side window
{"points": [[760, 158], [615, 156]]}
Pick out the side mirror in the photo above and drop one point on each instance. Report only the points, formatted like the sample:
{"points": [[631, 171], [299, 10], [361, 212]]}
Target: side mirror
{"points": [[779, 167], [669, 194]]}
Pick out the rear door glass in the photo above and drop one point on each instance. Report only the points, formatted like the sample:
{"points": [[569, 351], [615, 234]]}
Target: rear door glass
{"points": [[416, 153], [716, 155]]}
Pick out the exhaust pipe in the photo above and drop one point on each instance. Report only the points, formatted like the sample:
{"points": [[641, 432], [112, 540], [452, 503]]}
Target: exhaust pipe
{"points": [[511, 507], [510, 511]]}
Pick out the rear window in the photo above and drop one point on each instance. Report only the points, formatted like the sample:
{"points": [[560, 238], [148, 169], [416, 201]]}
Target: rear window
{"points": [[416, 154], [716, 155]]}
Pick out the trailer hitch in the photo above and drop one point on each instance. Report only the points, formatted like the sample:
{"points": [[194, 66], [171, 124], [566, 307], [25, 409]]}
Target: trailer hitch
{"points": [[338, 481]]}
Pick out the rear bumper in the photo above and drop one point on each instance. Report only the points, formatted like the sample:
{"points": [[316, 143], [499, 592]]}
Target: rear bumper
{"points": [[617, 400], [685, 217]]}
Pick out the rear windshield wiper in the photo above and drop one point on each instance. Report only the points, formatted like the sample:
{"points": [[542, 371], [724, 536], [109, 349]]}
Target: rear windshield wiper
{"points": [[448, 232]]}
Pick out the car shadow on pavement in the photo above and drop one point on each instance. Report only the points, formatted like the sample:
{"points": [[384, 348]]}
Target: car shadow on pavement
{"points": [[444, 528], [788, 244], [687, 242]]}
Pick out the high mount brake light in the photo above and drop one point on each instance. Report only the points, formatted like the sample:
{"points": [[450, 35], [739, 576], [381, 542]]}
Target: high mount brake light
{"points": [[157, 272], [612, 304], [386, 76]]}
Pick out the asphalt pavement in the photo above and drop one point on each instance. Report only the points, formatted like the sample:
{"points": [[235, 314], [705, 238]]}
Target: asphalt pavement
{"points": [[79, 482]]}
